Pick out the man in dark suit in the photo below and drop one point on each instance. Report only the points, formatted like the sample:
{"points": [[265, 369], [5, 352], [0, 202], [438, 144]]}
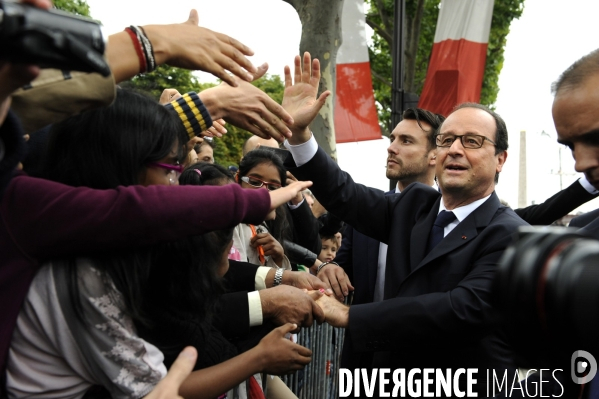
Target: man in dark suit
{"points": [[443, 250], [410, 158]]}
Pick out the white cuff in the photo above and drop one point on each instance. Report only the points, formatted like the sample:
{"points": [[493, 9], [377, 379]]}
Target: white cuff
{"points": [[587, 186], [304, 152], [292, 207], [255, 306], [260, 278]]}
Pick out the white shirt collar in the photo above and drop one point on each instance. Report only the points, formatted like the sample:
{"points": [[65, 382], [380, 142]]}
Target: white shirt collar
{"points": [[462, 212], [397, 190]]}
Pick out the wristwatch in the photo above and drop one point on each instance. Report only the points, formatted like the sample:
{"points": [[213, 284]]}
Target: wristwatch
{"points": [[278, 277]]}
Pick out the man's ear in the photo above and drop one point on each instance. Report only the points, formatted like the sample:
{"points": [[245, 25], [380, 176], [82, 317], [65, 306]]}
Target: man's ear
{"points": [[501, 158], [432, 157], [237, 177]]}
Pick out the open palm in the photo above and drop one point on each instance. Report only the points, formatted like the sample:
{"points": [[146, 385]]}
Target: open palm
{"points": [[300, 97]]}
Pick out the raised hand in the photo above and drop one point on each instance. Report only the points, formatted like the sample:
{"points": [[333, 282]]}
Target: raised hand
{"points": [[337, 279], [280, 355], [285, 194], [300, 97], [190, 46], [248, 107], [270, 245]]}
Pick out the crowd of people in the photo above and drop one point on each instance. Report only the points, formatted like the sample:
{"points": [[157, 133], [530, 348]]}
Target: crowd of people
{"points": [[134, 266]]}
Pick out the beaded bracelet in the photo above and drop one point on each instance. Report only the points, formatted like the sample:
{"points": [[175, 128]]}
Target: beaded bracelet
{"points": [[324, 264], [138, 49]]}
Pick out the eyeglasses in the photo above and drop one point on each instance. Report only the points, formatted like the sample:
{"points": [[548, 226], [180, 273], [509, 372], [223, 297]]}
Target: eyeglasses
{"points": [[468, 140], [174, 170], [254, 182]]}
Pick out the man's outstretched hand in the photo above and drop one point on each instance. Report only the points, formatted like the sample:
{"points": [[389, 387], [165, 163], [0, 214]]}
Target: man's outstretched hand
{"points": [[300, 98]]}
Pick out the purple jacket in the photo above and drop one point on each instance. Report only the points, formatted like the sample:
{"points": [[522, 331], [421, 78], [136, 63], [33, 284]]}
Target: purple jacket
{"points": [[41, 220]]}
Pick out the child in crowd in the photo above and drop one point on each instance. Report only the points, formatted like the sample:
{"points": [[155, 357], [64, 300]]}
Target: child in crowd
{"points": [[329, 249]]}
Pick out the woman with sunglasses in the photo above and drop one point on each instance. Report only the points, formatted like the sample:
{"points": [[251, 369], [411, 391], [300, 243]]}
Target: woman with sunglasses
{"points": [[78, 328]]}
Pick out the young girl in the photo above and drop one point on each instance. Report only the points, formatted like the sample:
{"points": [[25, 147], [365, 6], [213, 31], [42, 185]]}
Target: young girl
{"points": [[261, 169]]}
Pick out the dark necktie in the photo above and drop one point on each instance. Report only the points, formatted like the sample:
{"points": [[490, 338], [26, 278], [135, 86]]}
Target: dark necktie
{"points": [[443, 219]]}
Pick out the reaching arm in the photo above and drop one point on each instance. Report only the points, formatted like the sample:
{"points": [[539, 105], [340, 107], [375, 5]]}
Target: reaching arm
{"points": [[184, 45]]}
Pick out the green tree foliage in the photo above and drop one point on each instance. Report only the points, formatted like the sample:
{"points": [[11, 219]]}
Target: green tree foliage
{"points": [[164, 77], [421, 21], [79, 7]]}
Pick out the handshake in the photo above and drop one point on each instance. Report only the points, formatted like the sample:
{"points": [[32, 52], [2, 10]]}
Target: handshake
{"points": [[302, 299]]}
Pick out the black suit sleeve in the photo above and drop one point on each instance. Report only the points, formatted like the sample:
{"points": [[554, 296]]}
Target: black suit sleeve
{"points": [[240, 276], [233, 314], [557, 206], [344, 256], [305, 228]]}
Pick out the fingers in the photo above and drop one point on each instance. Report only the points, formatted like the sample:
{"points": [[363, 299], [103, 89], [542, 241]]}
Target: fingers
{"points": [[278, 114], [181, 368], [306, 72], [169, 95], [285, 194], [317, 311], [297, 72], [315, 80], [193, 18], [322, 99], [288, 80], [333, 283], [286, 328], [260, 71]]}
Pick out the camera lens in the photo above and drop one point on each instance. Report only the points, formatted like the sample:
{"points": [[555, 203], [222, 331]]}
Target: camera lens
{"points": [[547, 293]]}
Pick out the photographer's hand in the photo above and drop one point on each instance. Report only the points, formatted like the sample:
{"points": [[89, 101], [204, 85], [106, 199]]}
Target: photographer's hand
{"points": [[13, 76]]}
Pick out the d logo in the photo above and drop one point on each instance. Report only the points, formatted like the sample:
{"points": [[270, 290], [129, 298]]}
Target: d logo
{"points": [[583, 367]]}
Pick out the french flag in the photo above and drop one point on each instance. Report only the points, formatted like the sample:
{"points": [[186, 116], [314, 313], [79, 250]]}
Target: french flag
{"points": [[356, 118], [457, 63]]}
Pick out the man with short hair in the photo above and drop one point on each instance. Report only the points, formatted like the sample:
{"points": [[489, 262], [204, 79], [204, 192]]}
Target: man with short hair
{"points": [[576, 116], [410, 158], [443, 249]]}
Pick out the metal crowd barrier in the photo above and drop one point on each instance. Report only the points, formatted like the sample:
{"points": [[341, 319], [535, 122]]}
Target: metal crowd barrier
{"points": [[319, 379]]}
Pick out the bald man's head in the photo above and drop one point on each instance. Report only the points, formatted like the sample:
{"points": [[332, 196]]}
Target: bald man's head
{"points": [[254, 142]]}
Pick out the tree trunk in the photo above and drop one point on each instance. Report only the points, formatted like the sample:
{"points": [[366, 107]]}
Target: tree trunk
{"points": [[321, 36], [412, 47]]}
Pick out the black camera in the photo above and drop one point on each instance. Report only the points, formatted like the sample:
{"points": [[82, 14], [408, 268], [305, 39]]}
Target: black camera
{"points": [[547, 293], [51, 39]]}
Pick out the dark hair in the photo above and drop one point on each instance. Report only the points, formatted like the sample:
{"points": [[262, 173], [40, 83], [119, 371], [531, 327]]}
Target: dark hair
{"points": [[328, 237], [210, 174], [279, 228], [501, 138], [577, 73], [421, 115], [107, 147]]}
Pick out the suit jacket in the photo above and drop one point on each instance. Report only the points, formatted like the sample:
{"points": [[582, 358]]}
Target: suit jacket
{"points": [[359, 256], [437, 311], [556, 206], [359, 253]]}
